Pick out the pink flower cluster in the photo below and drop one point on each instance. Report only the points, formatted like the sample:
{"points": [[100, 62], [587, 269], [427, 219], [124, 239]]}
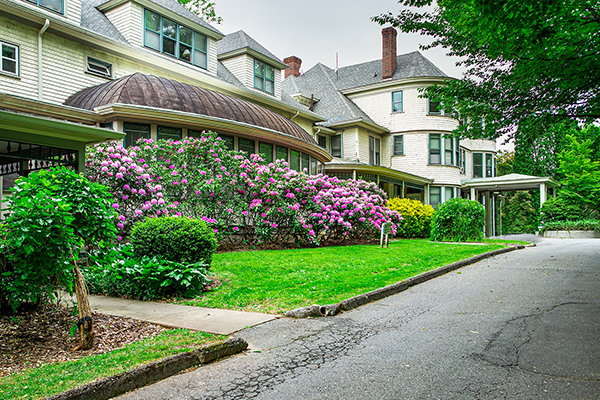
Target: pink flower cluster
{"points": [[244, 199]]}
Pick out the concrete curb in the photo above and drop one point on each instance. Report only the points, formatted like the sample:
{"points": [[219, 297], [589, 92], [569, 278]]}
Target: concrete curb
{"points": [[115, 385], [361, 299]]}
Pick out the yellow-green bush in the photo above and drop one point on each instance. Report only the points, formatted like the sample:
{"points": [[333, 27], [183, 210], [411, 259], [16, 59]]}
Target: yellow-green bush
{"points": [[416, 216]]}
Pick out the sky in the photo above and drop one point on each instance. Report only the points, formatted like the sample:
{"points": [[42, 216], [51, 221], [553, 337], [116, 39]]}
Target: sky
{"points": [[315, 30]]}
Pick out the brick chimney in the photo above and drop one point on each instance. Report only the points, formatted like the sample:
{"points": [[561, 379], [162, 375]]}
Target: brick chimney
{"points": [[389, 60], [293, 68]]}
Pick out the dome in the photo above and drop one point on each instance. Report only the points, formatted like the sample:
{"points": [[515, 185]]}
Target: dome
{"points": [[151, 91]]}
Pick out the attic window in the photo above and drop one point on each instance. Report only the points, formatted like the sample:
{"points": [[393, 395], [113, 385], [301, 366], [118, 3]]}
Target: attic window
{"points": [[264, 77], [99, 68]]}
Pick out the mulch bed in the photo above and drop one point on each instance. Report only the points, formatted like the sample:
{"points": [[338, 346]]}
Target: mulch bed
{"points": [[42, 336]]}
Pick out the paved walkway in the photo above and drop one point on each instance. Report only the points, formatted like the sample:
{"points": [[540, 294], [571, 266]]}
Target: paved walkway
{"points": [[211, 320]]}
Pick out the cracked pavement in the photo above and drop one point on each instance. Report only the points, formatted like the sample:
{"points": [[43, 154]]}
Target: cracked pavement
{"points": [[521, 325]]}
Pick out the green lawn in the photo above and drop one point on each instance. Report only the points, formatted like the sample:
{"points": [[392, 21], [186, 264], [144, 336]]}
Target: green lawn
{"points": [[278, 281], [51, 379]]}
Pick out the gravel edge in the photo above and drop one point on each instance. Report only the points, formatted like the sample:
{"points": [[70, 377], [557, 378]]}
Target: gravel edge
{"points": [[136, 378], [361, 299]]}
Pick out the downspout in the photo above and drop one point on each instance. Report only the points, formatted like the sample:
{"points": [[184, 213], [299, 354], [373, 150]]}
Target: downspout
{"points": [[40, 75], [297, 112]]}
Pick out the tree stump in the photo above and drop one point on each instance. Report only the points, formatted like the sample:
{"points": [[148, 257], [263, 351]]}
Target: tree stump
{"points": [[85, 325]]}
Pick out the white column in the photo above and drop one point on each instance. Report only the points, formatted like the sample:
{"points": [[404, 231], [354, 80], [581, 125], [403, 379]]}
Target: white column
{"points": [[543, 193], [488, 214], [473, 194]]}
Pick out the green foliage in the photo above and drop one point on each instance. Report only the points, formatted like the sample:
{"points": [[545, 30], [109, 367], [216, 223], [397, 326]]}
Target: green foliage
{"points": [[52, 215], [204, 9], [416, 217], [458, 220], [579, 225], [561, 208], [504, 162], [581, 182], [520, 213], [120, 273], [178, 239], [529, 63]]}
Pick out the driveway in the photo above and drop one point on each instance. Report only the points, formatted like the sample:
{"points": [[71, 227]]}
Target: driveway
{"points": [[521, 325]]}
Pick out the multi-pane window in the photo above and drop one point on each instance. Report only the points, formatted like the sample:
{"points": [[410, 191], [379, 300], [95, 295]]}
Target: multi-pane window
{"points": [[477, 165], [295, 160], [435, 196], [448, 150], [313, 166], [53, 5], [435, 149], [449, 193], [374, 151], [489, 169], [281, 153], [10, 59], [133, 132], [99, 68], [463, 162], [398, 145], [168, 37], [336, 145], [228, 140], [168, 133], [264, 77], [397, 103], [247, 145], [434, 108], [266, 149]]}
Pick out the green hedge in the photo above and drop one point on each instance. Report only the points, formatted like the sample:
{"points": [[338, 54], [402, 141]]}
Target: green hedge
{"points": [[458, 220], [581, 225], [177, 239]]}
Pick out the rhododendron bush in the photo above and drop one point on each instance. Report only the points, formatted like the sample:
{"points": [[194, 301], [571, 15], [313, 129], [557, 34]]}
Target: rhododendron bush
{"points": [[245, 200]]}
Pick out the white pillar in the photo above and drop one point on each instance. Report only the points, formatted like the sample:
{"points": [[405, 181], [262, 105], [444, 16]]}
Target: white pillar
{"points": [[543, 194], [488, 214], [473, 194]]}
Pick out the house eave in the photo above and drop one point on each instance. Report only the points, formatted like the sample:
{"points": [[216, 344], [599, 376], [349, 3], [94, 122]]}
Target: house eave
{"points": [[396, 82], [378, 170], [253, 53], [357, 122]]}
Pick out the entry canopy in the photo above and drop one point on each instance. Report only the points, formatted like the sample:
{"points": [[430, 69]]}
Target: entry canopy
{"points": [[510, 182]]}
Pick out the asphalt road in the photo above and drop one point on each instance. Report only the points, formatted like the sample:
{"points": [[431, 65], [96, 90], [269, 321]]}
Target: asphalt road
{"points": [[523, 325]]}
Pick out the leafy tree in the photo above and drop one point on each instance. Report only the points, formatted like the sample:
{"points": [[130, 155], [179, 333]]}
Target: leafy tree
{"points": [[504, 162], [520, 213], [53, 214], [529, 63], [204, 9]]}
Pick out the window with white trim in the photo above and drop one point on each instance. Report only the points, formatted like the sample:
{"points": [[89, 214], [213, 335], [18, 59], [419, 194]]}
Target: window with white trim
{"points": [[398, 145], [435, 148], [435, 196], [97, 67], [168, 37], [434, 108], [264, 77], [449, 193], [10, 59], [448, 150], [336, 145], [477, 165], [463, 161], [489, 166]]}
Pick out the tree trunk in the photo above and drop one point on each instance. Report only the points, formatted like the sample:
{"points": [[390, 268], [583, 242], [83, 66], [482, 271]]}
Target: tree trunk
{"points": [[86, 328]]}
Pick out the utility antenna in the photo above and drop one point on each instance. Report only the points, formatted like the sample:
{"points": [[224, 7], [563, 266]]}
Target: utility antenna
{"points": [[336, 66]]}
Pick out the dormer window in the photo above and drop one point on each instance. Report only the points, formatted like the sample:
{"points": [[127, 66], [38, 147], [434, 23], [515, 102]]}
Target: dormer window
{"points": [[52, 5], [166, 36], [264, 77]]}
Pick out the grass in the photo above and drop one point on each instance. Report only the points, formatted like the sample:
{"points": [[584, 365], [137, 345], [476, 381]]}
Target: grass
{"points": [[282, 280], [55, 378]]}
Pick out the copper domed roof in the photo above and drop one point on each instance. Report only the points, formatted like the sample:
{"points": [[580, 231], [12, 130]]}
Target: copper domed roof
{"points": [[157, 92]]}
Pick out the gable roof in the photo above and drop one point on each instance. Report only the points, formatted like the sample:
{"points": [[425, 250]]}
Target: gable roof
{"points": [[240, 41], [96, 21], [333, 105], [410, 65]]}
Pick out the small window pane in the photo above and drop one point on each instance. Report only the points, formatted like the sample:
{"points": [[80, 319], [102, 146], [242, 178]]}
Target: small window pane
{"points": [[295, 160], [247, 145], [185, 35], [168, 46], [477, 165], [269, 87], [56, 5], [270, 72], [282, 153], [9, 66], [449, 193], [133, 132], [435, 196], [228, 140], [185, 53], [266, 149], [199, 42], [313, 166], [169, 29], [397, 101], [398, 145], [152, 21], [488, 166], [305, 162], [258, 83], [152, 40], [322, 141], [434, 107], [9, 52], [336, 145], [259, 68], [200, 59]]}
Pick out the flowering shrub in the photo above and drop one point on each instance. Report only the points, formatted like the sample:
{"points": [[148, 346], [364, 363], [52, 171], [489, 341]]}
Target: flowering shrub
{"points": [[416, 217], [243, 199], [458, 220]]}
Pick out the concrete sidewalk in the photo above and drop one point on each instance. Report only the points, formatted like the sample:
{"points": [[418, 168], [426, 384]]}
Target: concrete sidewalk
{"points": [[211, 320]]}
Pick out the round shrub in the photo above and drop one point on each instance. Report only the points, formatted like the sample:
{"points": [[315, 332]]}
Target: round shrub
{"points": [[416, 217], [178, 239], [561, 208], [458, 220]]}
